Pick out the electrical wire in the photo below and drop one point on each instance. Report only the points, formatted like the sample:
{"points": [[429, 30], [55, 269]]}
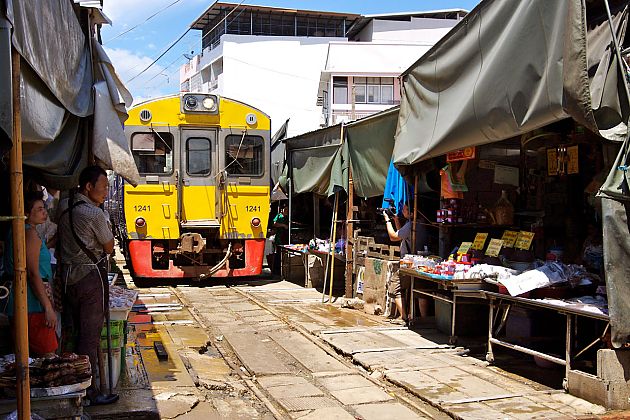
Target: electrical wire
{"points": [[179, 39], [142, 23]]}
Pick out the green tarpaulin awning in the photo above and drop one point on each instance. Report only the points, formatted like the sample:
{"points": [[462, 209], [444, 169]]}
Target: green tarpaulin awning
{"points": [[319, 160]]}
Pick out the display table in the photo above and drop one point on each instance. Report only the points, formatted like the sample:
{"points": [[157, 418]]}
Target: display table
{"points": [[286, 252], [56, 407], [445, 289], [571, 311]]}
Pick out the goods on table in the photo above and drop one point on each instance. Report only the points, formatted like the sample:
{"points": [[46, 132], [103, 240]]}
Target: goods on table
{"points": [[67, 369], [121, 298]]}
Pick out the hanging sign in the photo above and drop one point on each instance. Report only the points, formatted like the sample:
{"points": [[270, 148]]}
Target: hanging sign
{"points": [[494, 247], [464, 248], [552, 162], [467, 153], [480, 241], [509, 238], [573, 160], [524, 240]]}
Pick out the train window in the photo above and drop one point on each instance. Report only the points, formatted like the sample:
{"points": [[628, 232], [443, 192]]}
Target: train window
{"points": [[198, 156], [244, 155], [153, 152]]}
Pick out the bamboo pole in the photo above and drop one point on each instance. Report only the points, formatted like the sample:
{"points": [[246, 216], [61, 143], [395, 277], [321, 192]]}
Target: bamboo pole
{"points": [[349, 235], [332, 246], [19, 249], [332, 224]]}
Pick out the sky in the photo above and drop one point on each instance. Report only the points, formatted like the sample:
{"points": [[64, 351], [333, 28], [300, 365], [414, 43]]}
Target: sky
{"points": [[142, 30]]}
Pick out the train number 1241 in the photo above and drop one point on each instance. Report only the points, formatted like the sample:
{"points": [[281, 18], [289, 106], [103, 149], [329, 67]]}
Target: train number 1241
{"points": [[142, 208], [252, 208]]}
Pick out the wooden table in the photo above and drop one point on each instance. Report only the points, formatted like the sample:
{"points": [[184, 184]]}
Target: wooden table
{"points": [[453, 291], [290, 251], [505, 302]]}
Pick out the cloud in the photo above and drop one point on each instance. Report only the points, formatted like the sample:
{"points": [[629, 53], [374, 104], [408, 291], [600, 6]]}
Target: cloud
{"points": [[154, 82]]}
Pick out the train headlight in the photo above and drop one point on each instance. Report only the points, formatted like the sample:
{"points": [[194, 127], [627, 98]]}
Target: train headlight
{"points": [[190, 102], [209, 103], [140, 222], [199, 103], [255, 222]]}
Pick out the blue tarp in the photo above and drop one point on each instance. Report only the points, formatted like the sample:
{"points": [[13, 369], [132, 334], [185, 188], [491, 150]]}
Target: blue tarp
{"points": [[396, 189]]}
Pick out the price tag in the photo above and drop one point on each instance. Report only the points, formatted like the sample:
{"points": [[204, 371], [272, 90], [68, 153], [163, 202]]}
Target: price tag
{"points": [[524, 240], [509, 238], [480, 241], [494, 247], [464, 248]]}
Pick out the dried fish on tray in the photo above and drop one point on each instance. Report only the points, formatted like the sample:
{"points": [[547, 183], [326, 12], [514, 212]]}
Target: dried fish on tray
{"points": [[67, 371]]}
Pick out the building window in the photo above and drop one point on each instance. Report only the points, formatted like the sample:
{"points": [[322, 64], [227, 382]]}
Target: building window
{"points": [[244, 155], [340, 90], [153, 152], [185, 86], [198, 156], [374, 90]]}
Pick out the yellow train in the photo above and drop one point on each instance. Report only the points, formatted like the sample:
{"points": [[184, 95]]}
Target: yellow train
{"points": [[202, 205]]}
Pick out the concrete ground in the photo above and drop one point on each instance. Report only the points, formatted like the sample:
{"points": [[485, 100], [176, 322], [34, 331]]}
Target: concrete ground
{"points": [[270, 349]]}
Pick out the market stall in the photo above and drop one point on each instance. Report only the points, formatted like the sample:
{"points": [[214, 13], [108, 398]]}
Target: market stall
{"points": [[520, 169], [332, 165], [63, 107]]}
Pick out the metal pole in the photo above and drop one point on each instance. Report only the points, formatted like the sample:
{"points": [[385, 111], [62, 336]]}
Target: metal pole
{"points": [[19, 249], [290, 187], [332, 246], [415, 215], [617, 49]]}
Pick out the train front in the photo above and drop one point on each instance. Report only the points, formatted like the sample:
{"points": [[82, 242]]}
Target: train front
{"points": [[202, 205]]}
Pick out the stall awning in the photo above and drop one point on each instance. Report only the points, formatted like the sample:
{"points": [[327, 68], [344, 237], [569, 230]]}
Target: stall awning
{"points": [[320, 159], [316, 161], [59, 90], [509, 67], [370, 145]]}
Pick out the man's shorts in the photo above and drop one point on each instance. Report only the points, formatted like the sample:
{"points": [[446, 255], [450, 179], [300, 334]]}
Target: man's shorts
{"points": [[397, 284]]}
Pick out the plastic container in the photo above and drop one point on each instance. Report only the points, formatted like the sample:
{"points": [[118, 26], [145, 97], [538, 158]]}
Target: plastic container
{"points": [[116, 365]]}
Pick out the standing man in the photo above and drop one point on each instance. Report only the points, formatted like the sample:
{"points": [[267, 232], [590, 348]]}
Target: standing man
{"points": [[85, 292], [402, 235]]}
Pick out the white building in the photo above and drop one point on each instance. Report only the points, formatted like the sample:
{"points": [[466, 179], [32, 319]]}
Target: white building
{"points": [[287, 62]]}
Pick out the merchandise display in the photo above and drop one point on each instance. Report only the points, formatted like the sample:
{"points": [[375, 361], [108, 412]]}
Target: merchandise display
{"points": [[67, 369]]}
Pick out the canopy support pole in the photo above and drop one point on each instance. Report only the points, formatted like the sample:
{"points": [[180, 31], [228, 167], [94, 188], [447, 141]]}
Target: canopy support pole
{"points": [[328, 254], [19, 249], [617, 49], [290, 187], [415, 215], [349, 235], [332, 246]]}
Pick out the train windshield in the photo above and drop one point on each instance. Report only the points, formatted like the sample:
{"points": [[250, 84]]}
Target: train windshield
{"points": [[153, 152], [244, 155]]}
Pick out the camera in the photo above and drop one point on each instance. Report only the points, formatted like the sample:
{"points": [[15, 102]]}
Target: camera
{"points": [[387, 211]]}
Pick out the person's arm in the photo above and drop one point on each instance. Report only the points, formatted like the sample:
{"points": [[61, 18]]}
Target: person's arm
{"points": [[33, 245], [393, 234], [278, 222], [104, 233]]}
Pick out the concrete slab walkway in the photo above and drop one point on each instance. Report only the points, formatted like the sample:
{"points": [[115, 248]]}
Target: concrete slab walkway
{"points": [[463, 387]]}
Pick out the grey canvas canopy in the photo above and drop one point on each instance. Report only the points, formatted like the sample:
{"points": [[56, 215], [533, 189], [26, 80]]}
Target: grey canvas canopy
{"points": [[509, 67], [512, 66], [319, 160], [65, 78]]}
